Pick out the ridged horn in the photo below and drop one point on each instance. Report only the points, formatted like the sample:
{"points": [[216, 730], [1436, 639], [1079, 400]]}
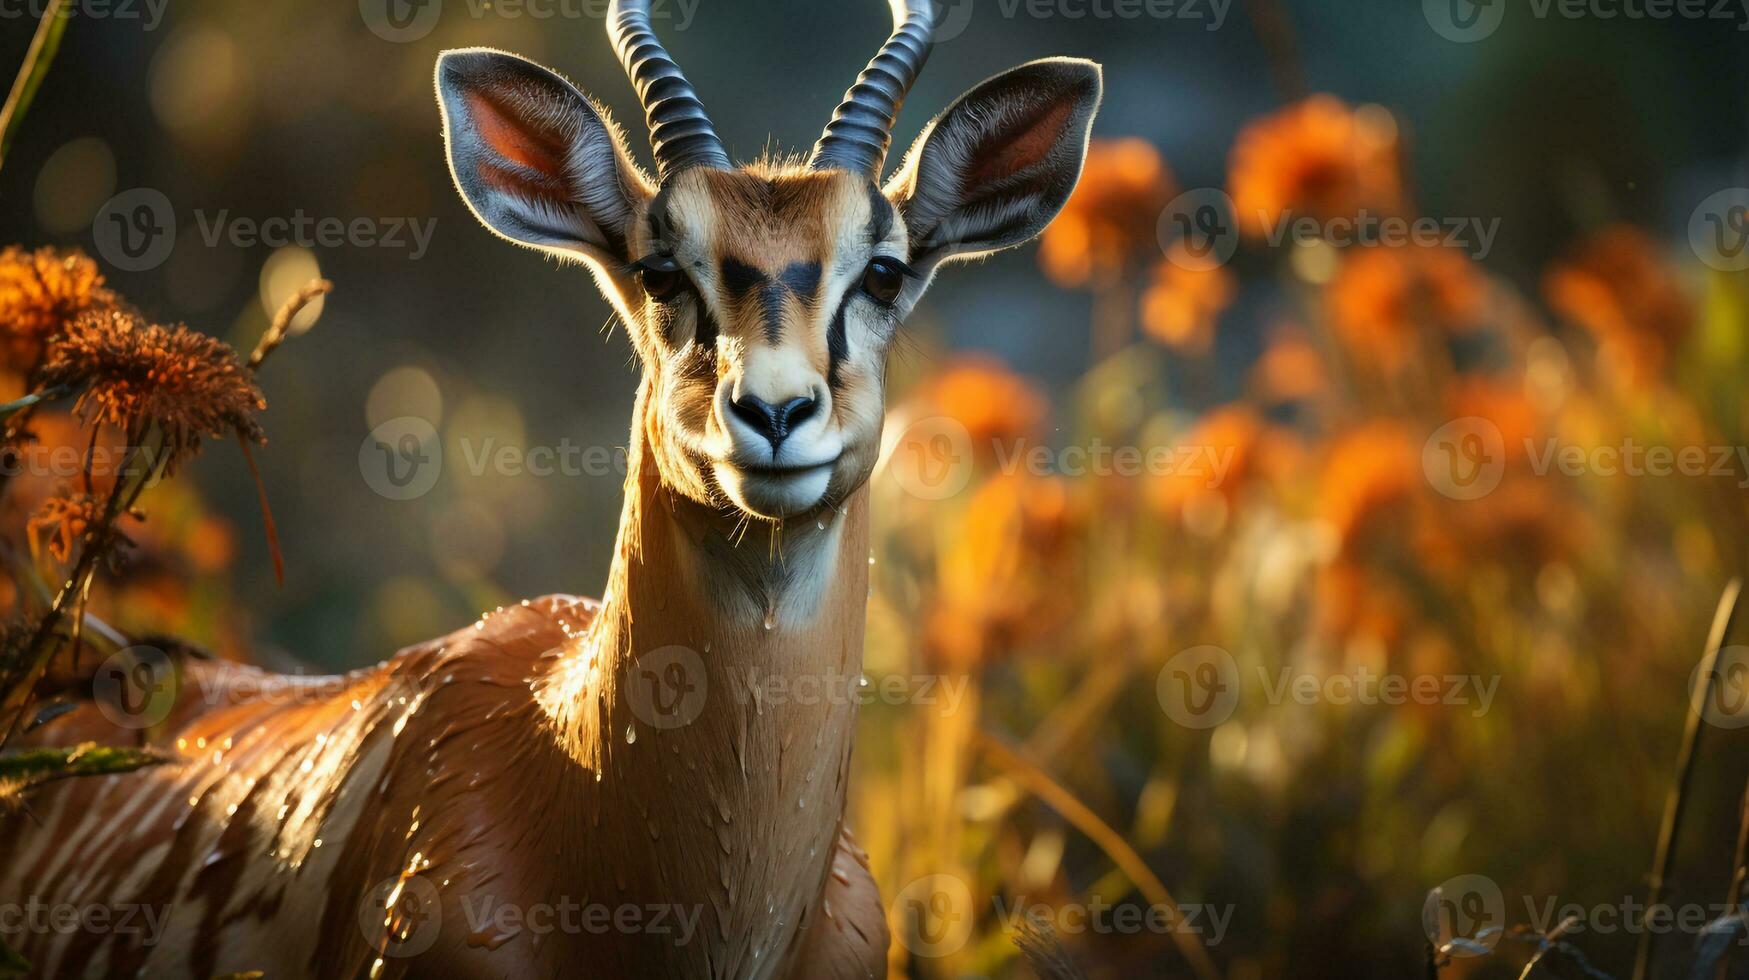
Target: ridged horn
{"points": [[857, 137], [680, 133]]}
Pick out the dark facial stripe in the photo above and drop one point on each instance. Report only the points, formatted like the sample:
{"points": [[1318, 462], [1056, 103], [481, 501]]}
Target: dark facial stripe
{"points": [[706, 334], [837, 344], [801, 278], [739, 277], [771, 301]]}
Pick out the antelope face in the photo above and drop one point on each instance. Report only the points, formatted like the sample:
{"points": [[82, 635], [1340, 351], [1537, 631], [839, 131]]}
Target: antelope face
{"points": [[762, 300], [767, 301]]}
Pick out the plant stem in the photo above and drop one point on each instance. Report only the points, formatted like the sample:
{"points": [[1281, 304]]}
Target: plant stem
{"points": [[1040, 784], [12, 408], [37, 59], [99, 542], [1677, 800], [1739, 870]]}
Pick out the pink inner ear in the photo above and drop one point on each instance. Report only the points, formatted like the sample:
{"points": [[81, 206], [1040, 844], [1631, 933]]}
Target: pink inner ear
{"points": [[1013, 148], [509, 136]]}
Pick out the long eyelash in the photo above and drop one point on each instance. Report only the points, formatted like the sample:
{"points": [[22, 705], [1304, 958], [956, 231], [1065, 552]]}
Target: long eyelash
{"points": [[656, 262]]}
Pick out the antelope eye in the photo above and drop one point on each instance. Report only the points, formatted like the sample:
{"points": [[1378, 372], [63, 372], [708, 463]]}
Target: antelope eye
{"points": [[884, 279], [661, 277]]}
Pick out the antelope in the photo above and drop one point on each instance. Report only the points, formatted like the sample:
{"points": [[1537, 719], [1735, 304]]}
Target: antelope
{"points": [[570, 787]]}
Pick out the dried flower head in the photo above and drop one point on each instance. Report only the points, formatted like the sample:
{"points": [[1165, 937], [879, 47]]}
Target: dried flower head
{"points": [[1317, 158], [1109, 221], [135, 373], [40, 293], [61, 521]]}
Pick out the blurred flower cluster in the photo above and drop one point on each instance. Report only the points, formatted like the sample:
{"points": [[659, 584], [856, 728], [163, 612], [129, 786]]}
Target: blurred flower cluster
{"points": [[1378, 492]]}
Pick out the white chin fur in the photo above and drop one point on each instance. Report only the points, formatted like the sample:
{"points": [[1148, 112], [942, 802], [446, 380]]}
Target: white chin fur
{"points": [[773, 495]]}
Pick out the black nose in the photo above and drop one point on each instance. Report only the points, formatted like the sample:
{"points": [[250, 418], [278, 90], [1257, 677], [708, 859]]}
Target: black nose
{"points": [[774, 422]]}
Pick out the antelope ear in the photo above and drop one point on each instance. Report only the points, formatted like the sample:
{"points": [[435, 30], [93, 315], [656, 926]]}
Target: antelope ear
{"points": [[536, 160], [993, 169]]}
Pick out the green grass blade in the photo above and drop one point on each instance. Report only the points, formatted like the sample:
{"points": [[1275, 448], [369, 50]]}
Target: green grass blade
{"points": [[37, 59]]}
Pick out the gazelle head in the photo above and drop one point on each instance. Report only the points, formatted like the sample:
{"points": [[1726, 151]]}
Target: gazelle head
{"points": [[762, 299]]}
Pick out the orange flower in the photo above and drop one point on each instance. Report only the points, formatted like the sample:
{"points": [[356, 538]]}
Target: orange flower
{"points": [[1383, 298], [1110, 219], [1229, 437], [1368, 472], [1318, 158], [999, 585], [40, 292], [1291, 367], [1617, 287], [189, 384], [1181, 306], [1505, 404], [993, 403]]}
